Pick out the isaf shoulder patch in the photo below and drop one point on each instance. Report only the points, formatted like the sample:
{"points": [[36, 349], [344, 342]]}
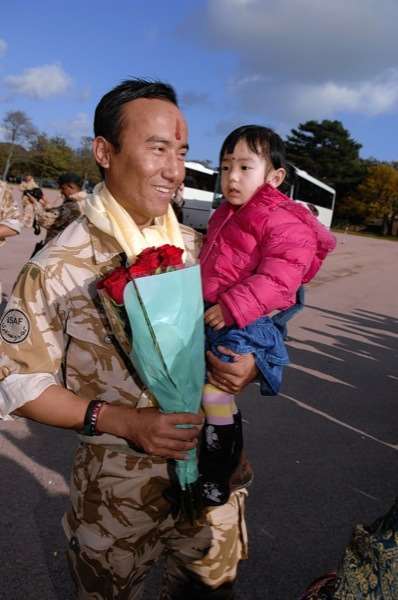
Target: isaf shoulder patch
{"points": [[14, 326]]}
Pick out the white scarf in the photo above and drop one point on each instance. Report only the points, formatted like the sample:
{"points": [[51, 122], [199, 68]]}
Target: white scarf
{"points": [[109, 216]]}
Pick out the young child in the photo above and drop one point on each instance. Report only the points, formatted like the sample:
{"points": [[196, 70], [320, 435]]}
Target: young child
{"points": [[260, 247]]}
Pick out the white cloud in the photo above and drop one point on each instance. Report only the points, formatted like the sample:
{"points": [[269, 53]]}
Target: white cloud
{"points": [[300, 59], [368, 97], [297, 101], [40, 82], [3, 47], [306, 39]]}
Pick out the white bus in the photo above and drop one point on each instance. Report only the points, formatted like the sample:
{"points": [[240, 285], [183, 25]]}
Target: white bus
{"points": [[199, 191], [308, 190], [202, 194]]}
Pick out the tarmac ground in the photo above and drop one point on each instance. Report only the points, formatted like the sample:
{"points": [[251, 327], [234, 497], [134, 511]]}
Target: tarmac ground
{"points": [[324, 451]]}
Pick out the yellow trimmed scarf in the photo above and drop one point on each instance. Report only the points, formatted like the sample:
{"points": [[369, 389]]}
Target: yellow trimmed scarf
{"points": [[109, 216]]}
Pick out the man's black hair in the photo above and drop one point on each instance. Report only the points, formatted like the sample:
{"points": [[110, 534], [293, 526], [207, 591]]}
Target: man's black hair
{"points": [[66, 178], [108, 118], [261, 140]]}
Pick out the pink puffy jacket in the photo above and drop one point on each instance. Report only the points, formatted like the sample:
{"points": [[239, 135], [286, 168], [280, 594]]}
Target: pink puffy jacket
{"points": [[255, 258]]}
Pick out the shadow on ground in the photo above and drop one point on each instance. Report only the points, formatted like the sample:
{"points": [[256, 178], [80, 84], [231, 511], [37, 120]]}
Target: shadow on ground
{"points": [[314, 477]]}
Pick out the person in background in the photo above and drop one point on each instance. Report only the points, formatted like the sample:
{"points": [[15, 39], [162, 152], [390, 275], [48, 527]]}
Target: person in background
{"points": [[56, 219], [70, 186], [368, 568], [28, 202], [11, 221], [178, 202]]}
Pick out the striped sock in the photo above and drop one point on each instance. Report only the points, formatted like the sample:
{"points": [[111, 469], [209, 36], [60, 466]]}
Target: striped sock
{"points": [[219, 407]]}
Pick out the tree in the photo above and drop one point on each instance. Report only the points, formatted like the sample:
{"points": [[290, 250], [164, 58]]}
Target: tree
{"points": [[85, 164], [18, 129], [51, 156], [326, 150], [378, 195]]}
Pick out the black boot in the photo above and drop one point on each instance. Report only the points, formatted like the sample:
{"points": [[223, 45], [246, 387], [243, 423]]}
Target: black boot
{"points": [[219, 456]]}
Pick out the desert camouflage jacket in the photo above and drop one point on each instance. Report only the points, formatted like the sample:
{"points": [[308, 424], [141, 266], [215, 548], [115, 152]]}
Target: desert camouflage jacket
{"points": [[55, 324], [10, 209], [56, 219]]}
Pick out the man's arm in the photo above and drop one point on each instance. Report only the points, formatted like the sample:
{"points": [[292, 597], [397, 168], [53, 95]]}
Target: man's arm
{"points": [[231, 377], [147, 428]]}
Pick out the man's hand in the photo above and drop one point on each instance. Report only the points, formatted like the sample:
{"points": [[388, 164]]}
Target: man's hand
{"points": [[155, 432], [214, 317], [231, 377]]}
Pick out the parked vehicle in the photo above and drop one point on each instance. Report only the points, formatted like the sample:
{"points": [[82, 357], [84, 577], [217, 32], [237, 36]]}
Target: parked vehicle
{"points": [[202, 194], [315, 194], [199, 189]]}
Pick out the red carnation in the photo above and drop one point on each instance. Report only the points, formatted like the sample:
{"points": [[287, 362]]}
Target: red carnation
{"points": [[114, 284]]}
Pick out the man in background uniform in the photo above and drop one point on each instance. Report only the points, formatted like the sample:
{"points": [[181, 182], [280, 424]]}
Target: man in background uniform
{"points": [[70, 186], [10, 217], [54, 220], [28, 202]]}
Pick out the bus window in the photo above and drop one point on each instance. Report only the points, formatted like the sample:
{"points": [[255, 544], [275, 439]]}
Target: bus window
{"points": [[200, 180], [218, 197], [306, 191]]}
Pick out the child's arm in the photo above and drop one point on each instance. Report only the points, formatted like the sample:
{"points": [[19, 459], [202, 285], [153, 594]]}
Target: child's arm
{"points": [[286, 255]]}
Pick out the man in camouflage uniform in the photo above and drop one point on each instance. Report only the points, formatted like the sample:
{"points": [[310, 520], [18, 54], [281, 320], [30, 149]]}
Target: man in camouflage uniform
{"points": [[70, 186], [58, 353], [29, 203], [54, 220], [10, 217]]}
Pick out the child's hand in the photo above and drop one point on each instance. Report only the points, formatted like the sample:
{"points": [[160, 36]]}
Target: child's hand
{"points": [[214, 317]]}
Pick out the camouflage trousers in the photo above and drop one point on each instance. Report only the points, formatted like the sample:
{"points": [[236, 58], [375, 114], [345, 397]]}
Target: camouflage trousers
{"points": [[120, 524]]}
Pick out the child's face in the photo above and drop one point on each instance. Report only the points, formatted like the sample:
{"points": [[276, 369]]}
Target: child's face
{"points": [[242, 173]]}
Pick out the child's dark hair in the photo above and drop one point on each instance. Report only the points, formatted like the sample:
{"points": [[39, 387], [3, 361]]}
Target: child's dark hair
{"points": [[261, 140]]}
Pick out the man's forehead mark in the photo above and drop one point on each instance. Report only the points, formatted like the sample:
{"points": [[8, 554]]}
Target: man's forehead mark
{"points": [[178, 129]]}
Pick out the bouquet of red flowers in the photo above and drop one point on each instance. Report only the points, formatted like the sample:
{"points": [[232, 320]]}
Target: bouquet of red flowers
{"points": [[160, 300], [151, 261]]}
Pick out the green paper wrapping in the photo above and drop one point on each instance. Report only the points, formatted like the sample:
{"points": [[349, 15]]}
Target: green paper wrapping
{"points": [[165, 312]]}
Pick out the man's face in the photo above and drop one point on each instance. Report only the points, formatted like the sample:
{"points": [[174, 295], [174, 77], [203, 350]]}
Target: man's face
{"points": [[68, 189], [149, 166]]}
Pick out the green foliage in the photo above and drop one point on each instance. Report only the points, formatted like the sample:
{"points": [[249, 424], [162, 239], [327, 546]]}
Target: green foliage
{"points": [[50, 156], [378, 194], [27, 151], [18, 128], [326, 150], [85, 165]]}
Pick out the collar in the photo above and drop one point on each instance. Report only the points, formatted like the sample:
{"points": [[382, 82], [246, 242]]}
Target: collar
{"points": [[105, 247]]}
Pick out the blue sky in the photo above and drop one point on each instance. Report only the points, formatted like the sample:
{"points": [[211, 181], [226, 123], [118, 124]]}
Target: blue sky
{"points": [[231, 62]]}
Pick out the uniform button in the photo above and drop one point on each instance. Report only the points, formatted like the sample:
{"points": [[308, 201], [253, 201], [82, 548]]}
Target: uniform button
{"points": [[74, 544], [108, 339]]}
